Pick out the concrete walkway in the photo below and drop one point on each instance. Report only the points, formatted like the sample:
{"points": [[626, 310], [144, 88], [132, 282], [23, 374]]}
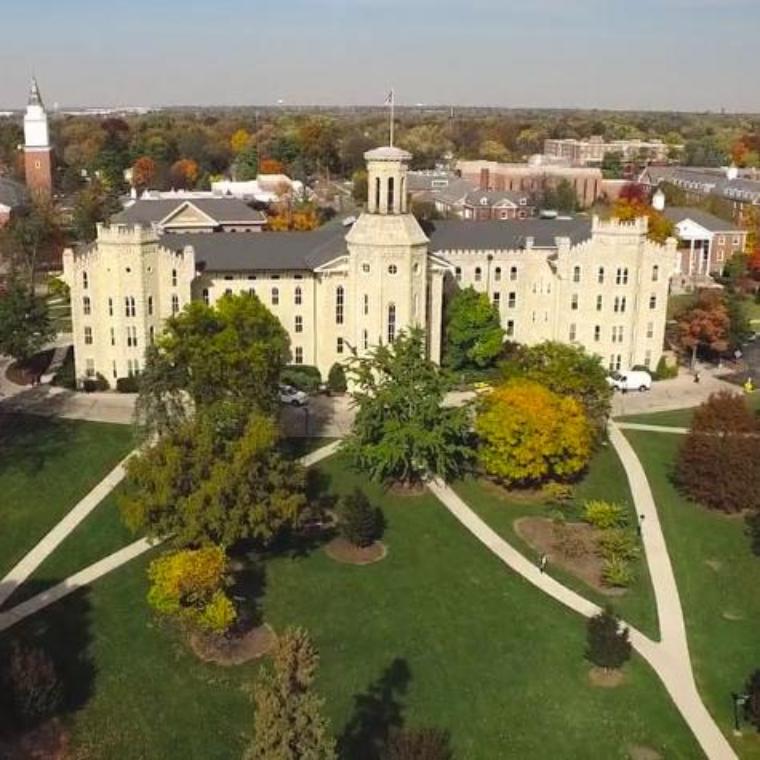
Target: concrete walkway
{"points": [[50, 542], [670, 656], [652, 428], [106, 565]]}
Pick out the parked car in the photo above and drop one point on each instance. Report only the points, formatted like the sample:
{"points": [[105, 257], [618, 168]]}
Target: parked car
{"points": [[292, 396], [630, 380]]}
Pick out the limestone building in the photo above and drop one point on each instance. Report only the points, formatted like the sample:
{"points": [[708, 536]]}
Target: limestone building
{"points": [[602, 285]]}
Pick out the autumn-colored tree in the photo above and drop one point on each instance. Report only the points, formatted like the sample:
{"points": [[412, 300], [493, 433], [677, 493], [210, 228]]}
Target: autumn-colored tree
{"points": [[528, 434], [707, 323], [184, 173], [271, 166], [189, 585], [753, 263], [660, 227], [717, 461], [143, 172], [288, 722], [633, 192], [239, 141]]}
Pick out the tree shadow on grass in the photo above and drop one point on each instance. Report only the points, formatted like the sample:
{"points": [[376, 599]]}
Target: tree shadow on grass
{"points": [[63, 632], [377, 712]]}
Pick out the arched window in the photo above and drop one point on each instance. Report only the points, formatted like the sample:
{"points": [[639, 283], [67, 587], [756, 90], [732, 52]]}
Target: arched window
{"points": [[298, 296], [497, 274], [458, 274], [275, 296], [391, 322], [391, 188], [110, 307], [576, 274], [513, 273], [478, 274], [365, 340], [150, 305], [339, 302], [175, 303], [392, 269], [85, 281], [655, 273], [174, 278], [86, 306], [204, 295]]}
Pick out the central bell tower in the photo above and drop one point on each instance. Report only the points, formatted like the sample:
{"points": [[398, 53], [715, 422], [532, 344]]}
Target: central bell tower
{"points": [[386, 182], [38, 154]]}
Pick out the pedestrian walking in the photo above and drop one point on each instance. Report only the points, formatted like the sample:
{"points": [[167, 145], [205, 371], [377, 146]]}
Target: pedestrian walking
{"points": [[542, 562]]}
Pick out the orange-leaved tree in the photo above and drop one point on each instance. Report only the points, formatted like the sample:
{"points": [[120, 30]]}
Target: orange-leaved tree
{"points": [[184, 173], [528, 434], [628, 209], [706, 323], [143, 172], [271, 166]]}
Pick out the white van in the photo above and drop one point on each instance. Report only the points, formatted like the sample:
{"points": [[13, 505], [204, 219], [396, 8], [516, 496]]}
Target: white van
{"points": [[630, 380]]}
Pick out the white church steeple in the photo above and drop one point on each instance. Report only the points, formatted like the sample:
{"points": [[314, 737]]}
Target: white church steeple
{"points": [[35, 120]]}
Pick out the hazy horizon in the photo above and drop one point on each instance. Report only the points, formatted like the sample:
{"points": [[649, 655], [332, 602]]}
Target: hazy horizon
{"points": [[671, 55]]}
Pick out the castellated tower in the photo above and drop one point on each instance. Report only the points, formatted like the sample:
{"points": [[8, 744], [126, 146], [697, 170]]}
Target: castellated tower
{"points": [[389, 269], [38, 155], [123, 287]]}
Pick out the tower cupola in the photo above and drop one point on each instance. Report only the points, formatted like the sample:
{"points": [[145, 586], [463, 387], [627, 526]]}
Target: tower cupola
{"points": [[386, 180]]}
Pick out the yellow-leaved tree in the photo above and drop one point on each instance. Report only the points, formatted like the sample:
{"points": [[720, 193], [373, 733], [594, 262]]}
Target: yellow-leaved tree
{"points": [[528, 434]]}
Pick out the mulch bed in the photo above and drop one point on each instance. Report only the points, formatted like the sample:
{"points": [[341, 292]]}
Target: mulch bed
{"points": [[519, 495], [605, 679], [25, 373], [344, 551], [234, 650], [540, 533], [643, 752], [49, 741]]}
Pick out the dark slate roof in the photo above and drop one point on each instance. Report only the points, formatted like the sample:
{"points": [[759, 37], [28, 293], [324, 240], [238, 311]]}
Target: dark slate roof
{"points": [[455, 235], [710, 222], [12, 193], [708, 180], [456, 191], [244, 251], [494, 196], [222, 210]]}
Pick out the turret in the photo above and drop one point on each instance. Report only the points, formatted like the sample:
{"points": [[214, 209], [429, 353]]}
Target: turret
{"points": [[386, 169]]}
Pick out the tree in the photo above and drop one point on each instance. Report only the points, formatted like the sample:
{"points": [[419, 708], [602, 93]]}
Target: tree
{"points": [[189, 584], [184, 173], [239, 141], [528, 434], [25, 325], [612, 165], [336, 379], [31, 235], [271, 166], [753, 529], [359, 187], [247, 163], [143, 172], [419, 744], [359, 521], [473, 332], [717, 463], [208, 483], [608, 644], [288, 722], [232, 352], [401, 430], [93, 204], [705, 324], [566, 198], [493, 150], [752, 707], [567, 371], [660, 227], [33, 684]]}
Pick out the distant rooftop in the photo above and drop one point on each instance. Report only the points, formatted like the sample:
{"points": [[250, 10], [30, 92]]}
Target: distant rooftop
{"points": [[710, 222]]}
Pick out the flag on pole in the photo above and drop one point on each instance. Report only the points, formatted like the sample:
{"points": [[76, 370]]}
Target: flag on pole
{"points": [[389, 98]]}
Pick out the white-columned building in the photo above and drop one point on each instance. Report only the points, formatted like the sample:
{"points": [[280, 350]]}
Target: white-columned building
{"points": [[602, 285]]}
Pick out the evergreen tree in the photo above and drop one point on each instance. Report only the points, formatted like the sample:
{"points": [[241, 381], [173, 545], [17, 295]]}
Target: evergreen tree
{"points": [[247, 163], [359, 521], [288, 723], [609, 646], [473, 332]]}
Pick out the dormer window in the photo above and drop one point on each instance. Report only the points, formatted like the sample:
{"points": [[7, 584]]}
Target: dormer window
{"points": [[484, 201]]}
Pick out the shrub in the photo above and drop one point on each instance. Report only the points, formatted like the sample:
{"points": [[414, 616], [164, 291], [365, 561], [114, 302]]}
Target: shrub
{"points": [[752, 706], [336, 379], [418, 744], [97, 383], [558, 493], [359, 522], [608, 644], [603, 514], [129, 384], [753, 529], [618, 542], [664, 370], [302, 376], [617, 572], [33, 683], [717, 461]]}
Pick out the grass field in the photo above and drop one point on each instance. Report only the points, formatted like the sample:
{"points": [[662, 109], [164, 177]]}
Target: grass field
{"points": [[46, 467], [717, 580], [606, 480], [680, 417], [439, 633]]}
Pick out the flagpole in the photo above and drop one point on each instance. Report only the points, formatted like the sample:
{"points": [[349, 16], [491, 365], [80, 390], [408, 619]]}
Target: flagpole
{"points": [[393, 98]]}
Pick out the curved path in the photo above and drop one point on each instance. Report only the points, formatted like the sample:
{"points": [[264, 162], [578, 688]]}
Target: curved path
{"points": [[669, 657]]}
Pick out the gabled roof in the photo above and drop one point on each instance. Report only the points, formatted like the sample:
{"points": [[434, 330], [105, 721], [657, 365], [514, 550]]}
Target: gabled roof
{"points": [[456, 192], [710, 222], [494, 197], [220, 210], [498, 235], [12, 193]]}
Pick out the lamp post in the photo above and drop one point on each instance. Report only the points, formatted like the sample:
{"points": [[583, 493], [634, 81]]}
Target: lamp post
{"points": [[739, 701]]}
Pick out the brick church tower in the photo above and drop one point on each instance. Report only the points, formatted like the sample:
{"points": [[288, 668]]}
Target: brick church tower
{"points": [[38, 155]]}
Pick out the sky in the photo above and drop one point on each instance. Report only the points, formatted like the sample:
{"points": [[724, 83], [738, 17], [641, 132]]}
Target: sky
{"points": [[622, 54]]}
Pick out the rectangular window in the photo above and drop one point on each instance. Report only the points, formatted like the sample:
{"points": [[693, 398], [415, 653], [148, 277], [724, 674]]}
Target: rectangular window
{"points": [[339, 346], [497, 299], [512, 300], [650, 329], [88, 336], [299, 355], [571, 332], [598, 303], [653, 301], [513, 273], [574, 302], [86, 306], [510, 328], [113, 337], [89, 367], [299, 323], [648, 359], [275, 297]]}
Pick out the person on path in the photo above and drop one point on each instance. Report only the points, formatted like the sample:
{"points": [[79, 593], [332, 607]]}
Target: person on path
{"points": [[542, 562]]}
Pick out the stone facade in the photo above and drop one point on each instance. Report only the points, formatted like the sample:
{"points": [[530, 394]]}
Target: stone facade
{"points": [[605, 287]]}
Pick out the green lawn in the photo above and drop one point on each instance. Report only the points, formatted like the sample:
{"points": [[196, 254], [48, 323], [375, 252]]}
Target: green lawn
{"points": [[46, 467], [606, 480], [439, 633], [717, 580], [680, 417]]}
